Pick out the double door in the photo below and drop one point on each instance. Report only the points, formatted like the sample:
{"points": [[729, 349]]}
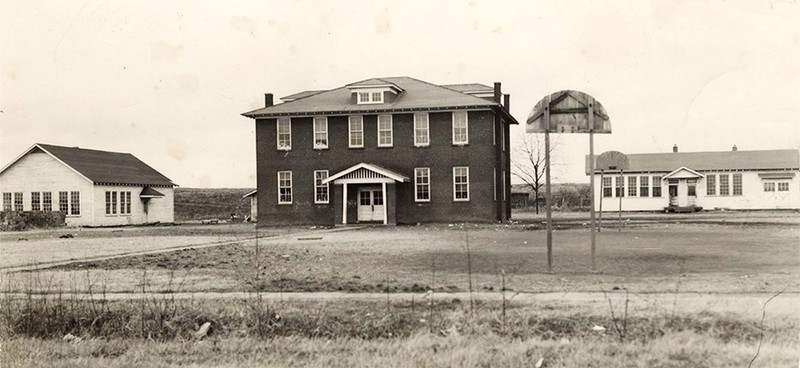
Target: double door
{"points": [[370, 204]]}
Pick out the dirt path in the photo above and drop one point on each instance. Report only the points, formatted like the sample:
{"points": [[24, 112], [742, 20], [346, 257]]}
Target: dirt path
{"points": [[200, 245]]}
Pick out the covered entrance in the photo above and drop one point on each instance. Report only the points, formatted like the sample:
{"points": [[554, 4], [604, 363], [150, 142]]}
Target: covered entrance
{"points": [[365, 193], [682, 188]]}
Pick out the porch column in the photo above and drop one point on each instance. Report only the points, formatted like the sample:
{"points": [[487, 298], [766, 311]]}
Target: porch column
{"points": [[344, 203], [385, 213]]}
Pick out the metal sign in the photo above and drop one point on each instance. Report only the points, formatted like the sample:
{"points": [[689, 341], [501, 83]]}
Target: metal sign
{"points": [[569, 113]]}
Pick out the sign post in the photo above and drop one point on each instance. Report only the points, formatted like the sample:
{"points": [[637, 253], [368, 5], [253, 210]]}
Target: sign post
{"points": [[568, 112]]}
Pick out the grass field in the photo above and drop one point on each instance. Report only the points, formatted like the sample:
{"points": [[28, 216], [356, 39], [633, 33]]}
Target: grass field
{"points": [[668, 293]]}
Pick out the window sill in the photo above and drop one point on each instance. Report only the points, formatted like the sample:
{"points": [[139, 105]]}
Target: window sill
{"points": [[422, 201], [322, 203], [385, 146], [460, 144], [422, 145], [460, 200], [360, 147], [284, 203], [320, 148], [283, 149]]}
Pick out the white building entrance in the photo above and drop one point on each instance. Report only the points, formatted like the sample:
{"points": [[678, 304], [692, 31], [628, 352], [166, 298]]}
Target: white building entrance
{"points": [[682, 187], [370, 204]]}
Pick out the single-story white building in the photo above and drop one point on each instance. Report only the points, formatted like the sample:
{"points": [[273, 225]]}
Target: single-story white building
{"points": [[253, 195], [92, 188], [741, 180]]}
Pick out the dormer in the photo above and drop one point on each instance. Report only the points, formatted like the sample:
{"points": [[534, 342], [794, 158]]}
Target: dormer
{"points": [[373, 91]]}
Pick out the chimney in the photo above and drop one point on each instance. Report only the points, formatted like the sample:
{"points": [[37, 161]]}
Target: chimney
{"points": [[267, 99], [497, 92], [675, 148], [734, 149], [507, 102]]}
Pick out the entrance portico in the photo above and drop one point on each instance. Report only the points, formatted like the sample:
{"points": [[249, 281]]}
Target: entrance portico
{"points": [[368, 194], [682, 187]]}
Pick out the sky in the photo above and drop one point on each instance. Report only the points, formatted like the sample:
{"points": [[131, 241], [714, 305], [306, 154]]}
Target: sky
{"points": [[167, 81]]}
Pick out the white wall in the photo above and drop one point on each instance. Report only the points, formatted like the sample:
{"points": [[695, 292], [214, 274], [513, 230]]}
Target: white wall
{"points": [[39, 172], [753, 195], [158, 209]]}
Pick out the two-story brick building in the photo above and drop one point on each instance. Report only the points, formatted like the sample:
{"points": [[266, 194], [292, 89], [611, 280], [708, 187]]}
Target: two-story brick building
{"points": [[385, 150]]}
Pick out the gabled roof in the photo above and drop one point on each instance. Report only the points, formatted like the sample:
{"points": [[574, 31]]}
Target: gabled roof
{"points": [[708, 161], [371, 167], [416, 95], [148, 192], [683, 172], [102, 167], [251, 193]]}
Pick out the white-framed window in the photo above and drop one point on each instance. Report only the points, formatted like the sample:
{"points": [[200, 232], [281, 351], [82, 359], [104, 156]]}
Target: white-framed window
{"points": [[75, 203], [644, 186], [494, 183], [620, 192], [18, 202], [769, 186], [607, 191], [63, 202], [284, 187], [284, 128], [355, 130], [460, 127], [711, 184], [503, 136], [461, 183], [422, 184], [632, 186], [321, 191], [737, 184], [124, 203], [724, 185], [7, 202], [320, 132], [422, 135], [656, 186], [783, 186], [36, 201], [370, 97], [504, 185], [47, 201], [385, 134], [111, 202]]}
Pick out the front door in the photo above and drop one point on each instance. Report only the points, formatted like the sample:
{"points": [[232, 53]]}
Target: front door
{"points": [[370, 204], [673, 192]]}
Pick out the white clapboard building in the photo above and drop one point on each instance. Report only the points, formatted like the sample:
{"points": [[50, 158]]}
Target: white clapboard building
{"points": [[686, 181], [91, 187]]}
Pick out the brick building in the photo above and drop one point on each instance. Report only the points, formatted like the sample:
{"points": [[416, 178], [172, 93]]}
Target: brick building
{"points": [[384, 150]]}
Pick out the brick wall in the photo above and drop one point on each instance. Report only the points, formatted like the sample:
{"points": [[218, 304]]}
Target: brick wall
{"points": [[481, 155]]}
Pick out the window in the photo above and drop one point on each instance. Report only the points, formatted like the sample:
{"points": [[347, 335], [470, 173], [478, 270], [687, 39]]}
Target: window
{"points": [[384, 130], [321, 195], [724, 188], [620, 192], [461, 183], [63, 202], [320, 132], [504, 185], [607, 186], [284, 134], [783, 186], [356, 130], [47, 201], [18, 202], [7, 202], [422, 184], [421, 132], [111, 203], [691, 187], [632, 186], [75, 203], [494, 182], [711, 185], [737, 184], [370, 97], [644, 186], [769, 186], [656, 186], [284, 187], [124, 203], [460, 128], [36, 201]]}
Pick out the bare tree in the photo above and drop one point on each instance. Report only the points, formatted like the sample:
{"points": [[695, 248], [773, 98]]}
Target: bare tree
{"points": [[530, 163]]}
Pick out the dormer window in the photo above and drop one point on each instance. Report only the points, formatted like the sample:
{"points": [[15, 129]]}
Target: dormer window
{"points": [[370, 97]]}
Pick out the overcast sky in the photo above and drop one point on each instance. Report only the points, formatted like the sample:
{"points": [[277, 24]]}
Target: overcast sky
{"points": [[167, 81]]}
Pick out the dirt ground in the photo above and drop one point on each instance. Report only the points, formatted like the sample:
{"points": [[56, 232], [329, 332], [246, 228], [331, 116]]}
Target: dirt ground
{"points": [[667, 256]]}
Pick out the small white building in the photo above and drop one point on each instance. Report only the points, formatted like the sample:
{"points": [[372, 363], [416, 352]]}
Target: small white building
{"points": [[739, 180], [253, 205], [92, 188]]}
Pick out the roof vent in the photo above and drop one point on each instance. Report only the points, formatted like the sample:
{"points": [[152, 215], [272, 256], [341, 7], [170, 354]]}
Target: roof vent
{"points": [[675, 148], [734, 149]]}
